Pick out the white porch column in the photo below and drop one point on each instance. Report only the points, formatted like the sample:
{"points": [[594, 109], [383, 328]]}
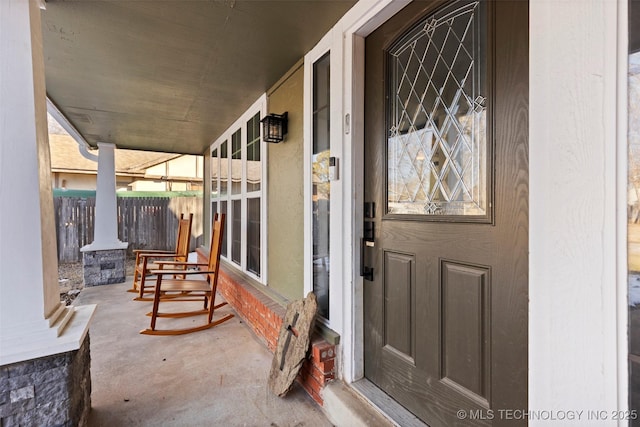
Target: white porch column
{"points": [[577, 272], [32, 319], [106, 220]]}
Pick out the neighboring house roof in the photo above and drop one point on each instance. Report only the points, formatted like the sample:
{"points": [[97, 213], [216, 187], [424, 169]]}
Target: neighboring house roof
{"points": [[66, 157]]}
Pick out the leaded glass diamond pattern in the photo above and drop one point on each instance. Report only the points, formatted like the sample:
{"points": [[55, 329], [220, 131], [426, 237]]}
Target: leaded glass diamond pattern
{"points": [[436, 153]]}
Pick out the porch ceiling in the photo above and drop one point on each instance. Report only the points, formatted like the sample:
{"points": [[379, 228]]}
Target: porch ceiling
{"points": [[171, 75]]}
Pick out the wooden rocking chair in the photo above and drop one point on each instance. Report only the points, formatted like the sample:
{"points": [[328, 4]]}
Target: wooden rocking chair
{"points": [[146, 260], [171, 288]]}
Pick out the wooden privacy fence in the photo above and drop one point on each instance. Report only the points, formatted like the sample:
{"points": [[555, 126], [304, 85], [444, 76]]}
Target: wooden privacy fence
{"points": [[143, 222]]}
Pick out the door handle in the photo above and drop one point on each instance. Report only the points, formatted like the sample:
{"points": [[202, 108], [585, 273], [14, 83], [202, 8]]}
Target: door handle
{"points": [[365, 272]]}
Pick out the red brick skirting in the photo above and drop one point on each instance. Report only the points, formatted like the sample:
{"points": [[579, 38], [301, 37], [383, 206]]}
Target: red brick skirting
{"points": [[264, 316]]}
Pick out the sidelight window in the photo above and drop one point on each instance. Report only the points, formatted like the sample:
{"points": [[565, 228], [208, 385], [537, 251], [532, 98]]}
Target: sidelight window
{"points": [[321, 198]]}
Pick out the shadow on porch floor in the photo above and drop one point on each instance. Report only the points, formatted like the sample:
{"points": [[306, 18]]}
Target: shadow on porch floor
{"points": [[213, 377]]}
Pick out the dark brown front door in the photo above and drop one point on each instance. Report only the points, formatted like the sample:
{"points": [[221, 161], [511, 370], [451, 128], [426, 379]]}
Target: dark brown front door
{"points": [[446, 227]]}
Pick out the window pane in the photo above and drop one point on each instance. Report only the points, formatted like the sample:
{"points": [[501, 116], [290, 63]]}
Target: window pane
{"points": [[215, 171], [239, 183], [437, 136], [254, 167], [236, 162], [321, 183], [224, 169], [225, 231], [253, 235], [236, 232], [633, 226]]}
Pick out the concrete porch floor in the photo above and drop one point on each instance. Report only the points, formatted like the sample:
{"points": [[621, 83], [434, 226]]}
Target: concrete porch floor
{"points": [[209, 378]]}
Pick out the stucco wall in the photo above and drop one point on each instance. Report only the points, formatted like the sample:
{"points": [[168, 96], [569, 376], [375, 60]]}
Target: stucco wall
{"points": [[185, 166], [182, 166], [285, 208], [74, 181], [141, 185]]}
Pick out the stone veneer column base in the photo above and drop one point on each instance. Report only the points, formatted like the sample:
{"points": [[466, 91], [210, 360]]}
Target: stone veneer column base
{"points": [[48, 391], [104, 267]]}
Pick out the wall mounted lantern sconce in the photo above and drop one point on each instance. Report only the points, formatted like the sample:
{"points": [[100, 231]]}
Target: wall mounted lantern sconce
{"points": [[274, 127]]}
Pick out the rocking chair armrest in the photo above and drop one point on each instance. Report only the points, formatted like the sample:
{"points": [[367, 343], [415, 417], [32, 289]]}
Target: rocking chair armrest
{"points": [[152, 251], [146, 255], [180, 272], [142, 255], [183, 263]]}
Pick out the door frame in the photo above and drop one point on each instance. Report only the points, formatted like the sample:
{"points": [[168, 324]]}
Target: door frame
{"points": [[325, 45], [548, 31], [353, 37]]}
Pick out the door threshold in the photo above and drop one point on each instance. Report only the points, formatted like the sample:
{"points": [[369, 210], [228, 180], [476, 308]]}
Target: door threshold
{"points": [[384, 403]]}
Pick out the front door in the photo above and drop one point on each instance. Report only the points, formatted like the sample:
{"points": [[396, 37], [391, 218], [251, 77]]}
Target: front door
{"points": [[446, 213]]}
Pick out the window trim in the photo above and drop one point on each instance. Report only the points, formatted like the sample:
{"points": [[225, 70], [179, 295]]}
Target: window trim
{"points": [[259, 106], [331, 43]]}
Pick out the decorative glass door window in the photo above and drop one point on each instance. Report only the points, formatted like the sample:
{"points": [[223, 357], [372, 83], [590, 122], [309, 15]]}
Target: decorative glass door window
{"points": [[438, 149]]}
